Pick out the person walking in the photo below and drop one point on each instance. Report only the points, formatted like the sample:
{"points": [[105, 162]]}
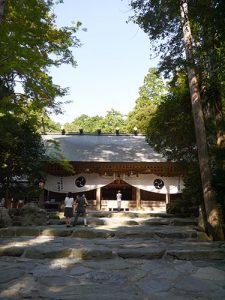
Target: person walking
{"points": [[119, 199], [68, 212], [80, 207]]}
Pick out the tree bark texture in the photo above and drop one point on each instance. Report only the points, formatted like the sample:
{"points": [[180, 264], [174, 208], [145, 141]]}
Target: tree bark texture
{"points": [[213, 211]]}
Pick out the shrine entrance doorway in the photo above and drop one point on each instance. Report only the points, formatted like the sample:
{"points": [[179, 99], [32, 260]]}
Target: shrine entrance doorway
{"points": [[108, 195], [109, 191]]}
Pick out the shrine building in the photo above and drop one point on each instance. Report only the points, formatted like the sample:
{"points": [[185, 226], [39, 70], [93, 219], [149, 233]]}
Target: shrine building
{"points": [[105, 163]]}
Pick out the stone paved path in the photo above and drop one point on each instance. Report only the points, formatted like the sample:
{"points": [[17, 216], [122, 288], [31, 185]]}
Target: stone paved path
{"points": [[119, 256]]}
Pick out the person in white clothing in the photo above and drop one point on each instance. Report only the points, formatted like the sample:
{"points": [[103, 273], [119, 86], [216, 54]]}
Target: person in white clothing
{"points": [[68, 212], [119, 199]]}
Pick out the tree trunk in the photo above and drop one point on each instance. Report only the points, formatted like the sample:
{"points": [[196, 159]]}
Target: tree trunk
{"points": [[216, 108], [2, 6], [212, 208]]}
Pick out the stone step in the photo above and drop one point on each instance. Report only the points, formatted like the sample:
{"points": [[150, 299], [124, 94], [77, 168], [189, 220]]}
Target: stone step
{"points": [[43, 247], [112, 235], [119, 256], [128, 218], [128, 214], [115, 230], [109, 279]]}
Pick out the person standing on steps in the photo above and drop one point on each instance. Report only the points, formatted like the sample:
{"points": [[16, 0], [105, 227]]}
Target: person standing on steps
{"points": [[68, 212], [118, 199], [80, 208]]}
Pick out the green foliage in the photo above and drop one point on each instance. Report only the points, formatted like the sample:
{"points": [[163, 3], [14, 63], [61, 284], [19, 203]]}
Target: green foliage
{"points": [[30, 44], [150, 96], [171, 129], [153, 88], [55, 156], [113, 120], [107, 124], [190, 200], [140, 117], [88, 124], [182, 208], [161, 21], [192, 194], [46, 124], [218, 172], [22, 153], [171, 132]]}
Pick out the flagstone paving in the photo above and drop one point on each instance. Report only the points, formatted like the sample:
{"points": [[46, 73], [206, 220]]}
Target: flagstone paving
{"points": [[118, 256]]}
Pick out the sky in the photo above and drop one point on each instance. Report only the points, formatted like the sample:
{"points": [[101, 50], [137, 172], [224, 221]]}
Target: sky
{"points": [[112, 62]]}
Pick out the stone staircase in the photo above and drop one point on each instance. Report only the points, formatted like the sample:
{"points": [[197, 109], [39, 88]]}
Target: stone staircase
{"points": [[127, 235], [119, 256]]}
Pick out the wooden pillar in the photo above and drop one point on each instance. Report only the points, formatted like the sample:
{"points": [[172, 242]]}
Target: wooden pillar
{"points": [[138, 198], [133, 193], [98, 198], [167, 198]]}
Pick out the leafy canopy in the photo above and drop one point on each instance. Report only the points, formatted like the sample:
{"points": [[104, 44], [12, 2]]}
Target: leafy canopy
{"points": [[30, 44], [106, 124], [171, 130], [150, 96]]}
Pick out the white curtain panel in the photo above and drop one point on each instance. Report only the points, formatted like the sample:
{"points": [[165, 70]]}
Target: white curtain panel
{"points": [[68, 184], [171, 185]]}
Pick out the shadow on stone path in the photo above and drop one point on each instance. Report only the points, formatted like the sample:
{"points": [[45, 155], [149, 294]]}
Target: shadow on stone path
{"points": [[119, 256]]}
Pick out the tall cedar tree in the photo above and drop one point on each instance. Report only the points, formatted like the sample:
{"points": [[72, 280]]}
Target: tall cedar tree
{"points": [[168, 24]]}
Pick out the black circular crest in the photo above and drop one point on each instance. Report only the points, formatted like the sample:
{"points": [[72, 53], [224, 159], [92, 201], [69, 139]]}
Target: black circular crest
{"points": [[158, 184], [80, 181]]}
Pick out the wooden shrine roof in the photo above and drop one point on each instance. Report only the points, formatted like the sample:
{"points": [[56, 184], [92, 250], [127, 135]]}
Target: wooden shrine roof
{"points": [[108, 154], [103, 148]]}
